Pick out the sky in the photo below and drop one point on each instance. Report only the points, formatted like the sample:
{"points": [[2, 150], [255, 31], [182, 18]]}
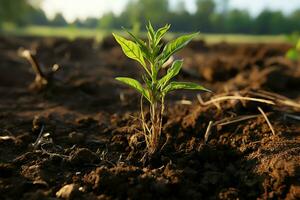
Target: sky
{"points": [[72, 9]]}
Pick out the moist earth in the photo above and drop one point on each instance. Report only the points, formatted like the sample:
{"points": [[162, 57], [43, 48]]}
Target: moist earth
{"points": [[81, 138]]}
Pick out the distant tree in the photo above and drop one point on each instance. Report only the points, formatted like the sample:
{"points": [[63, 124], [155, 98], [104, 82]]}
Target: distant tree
{"points": [[207, 18], [139, 12], [224, 7], [238, 21], [180, 7], [263, 22], [272, 22], [13, 10], [294, 21], [78, 23], [131, 17], [133, 14], [36, 16], [181, 22], [204, 14], [180, 18], [219, 19], [90, 22], [279, 23], [154, 10], [59, 20], [107, 21], [218, 23]]}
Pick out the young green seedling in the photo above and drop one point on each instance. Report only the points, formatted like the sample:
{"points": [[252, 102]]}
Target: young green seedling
{"points": [[294, 52], [152, 55]]}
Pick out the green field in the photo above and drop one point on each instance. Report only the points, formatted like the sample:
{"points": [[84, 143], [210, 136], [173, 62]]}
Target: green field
{"points": [[46, 31], [73, 32], [243, 38]]}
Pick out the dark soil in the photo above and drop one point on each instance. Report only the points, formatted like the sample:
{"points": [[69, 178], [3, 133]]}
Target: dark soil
{"points": [[91, 144]]}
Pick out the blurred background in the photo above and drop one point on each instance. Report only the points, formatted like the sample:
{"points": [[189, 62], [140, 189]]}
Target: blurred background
{"points": [[216, 19]]}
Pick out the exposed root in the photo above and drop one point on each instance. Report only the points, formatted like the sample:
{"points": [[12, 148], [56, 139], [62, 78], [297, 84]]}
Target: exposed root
{"points": [[152, 131]]}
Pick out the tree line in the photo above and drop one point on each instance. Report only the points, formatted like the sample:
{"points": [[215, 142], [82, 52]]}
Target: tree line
{"points": [[211, 16]]}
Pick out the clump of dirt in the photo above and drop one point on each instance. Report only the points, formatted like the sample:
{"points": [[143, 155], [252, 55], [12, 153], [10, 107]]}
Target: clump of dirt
{"points": [[81, 138]]}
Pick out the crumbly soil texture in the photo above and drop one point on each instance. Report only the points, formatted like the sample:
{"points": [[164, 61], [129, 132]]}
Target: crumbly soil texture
{"points": [[80, 136]]}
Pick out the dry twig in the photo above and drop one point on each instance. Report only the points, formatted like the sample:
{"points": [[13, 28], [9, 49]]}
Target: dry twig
{"points": [[227, 121], [40, 77], [208, 131], [225, 98], [278, 99], [296, 117], [267, 120], [42, 80]]}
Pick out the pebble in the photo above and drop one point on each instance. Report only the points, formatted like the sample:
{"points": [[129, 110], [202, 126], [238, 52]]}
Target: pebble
{"points": [[69, 191]]}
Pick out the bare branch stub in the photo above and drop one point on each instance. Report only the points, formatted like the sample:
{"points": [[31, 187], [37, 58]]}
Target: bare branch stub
{"points": [[41, 80]]}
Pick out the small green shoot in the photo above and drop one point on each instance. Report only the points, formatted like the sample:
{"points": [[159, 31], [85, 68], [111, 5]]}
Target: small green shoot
{"points": [[294, 52], [152, 55]]}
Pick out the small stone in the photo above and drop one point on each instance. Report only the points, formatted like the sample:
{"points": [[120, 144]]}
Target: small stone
{"points": [[69, 191]]}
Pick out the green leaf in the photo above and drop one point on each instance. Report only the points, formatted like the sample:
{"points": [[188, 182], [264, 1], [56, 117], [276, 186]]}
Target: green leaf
{"points": [[172, 72], [298, 45], [183, 85], [160, 33], [292, 54], [176, 45], [136, 85], [131, 50], [151, 32], [137, 40], [140, 42]]}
